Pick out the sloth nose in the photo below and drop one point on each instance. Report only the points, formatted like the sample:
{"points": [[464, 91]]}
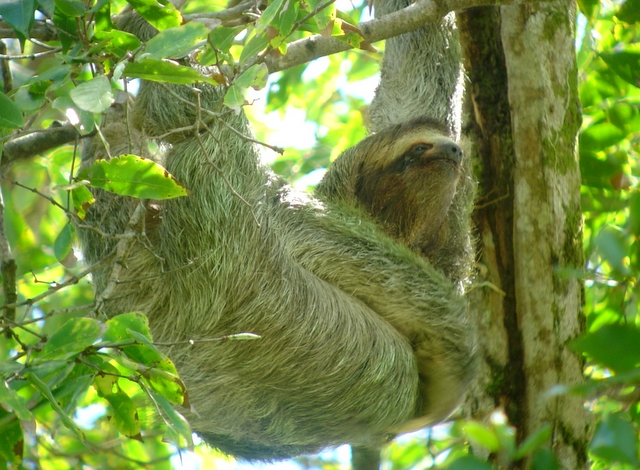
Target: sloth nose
{"points": [[449, 150]]}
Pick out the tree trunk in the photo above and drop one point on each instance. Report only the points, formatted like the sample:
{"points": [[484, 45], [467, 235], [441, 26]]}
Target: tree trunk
{"points": [[524, 119]]}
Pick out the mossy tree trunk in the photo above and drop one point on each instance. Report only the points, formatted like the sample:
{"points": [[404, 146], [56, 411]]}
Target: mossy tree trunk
{"points": [[523, 117]]}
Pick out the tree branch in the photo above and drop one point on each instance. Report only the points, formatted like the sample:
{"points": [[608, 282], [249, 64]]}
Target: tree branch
{"points": [[37, 142], [41, 30], [417, 15]]}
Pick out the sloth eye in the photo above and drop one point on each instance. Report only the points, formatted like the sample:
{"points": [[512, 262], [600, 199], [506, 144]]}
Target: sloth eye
{"points": [[421, 148]]}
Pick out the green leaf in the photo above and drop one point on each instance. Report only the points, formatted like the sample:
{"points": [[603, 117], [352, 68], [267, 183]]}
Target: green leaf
{"points": [[176, 42], [625, 116], [597, 172], [72, 338], [588, 7], [469, 462], [62, 246], [634, 213], [269, 14], [11, 116], [161, 16], [612, 246], [82, 200], [615, 440], [124, 414], [324, 16], [19, 15], [255, 45], [222, 37], [94, 96], [117, 42], [172, 418], [68, 27], [287, 19], [162, 71], [9, 398], [625, 63], [11, 443], [72, 8], [130, 175], [234, 98], [34, 380], [614, 346], [255, 76], [544, 460], [481, 435], [47, 6], [119, 326], [533, 442], [102, 21], [145, 357], [600, 136], [629, 11]]}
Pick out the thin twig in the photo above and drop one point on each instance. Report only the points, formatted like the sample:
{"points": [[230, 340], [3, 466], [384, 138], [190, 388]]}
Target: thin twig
{"points": [[121, 251], [7, 77]]}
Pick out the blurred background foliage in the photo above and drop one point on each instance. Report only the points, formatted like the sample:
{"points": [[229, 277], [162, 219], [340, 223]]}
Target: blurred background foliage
{"points": [[67, 383]]}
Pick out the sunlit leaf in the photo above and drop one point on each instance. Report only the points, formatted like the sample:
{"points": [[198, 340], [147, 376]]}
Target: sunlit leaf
{"points": [[72, 8], [82, 200], [11, 116], [10, 399], [130, 175], [469, 463], [124, 413], [600, 136], [11, 442], [544, 460], [62, 246], [255, 76], [626, 63], [534, 441], [255, 45], [222, 37], [615, 440], [614, 346], [94, 96], [19, 14], [74, 336], [117, 42], [176, 42], [46, 391], [234, 98], [172, 418], [269, 14], [160, 15], [481, 435], [162, 71], [629, 11]]}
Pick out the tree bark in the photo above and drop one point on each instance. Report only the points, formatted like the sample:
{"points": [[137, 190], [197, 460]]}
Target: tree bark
{"points": [[525, 118]]}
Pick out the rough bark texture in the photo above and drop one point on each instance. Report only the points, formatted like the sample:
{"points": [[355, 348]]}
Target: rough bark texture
{"points": [[525, 118]]}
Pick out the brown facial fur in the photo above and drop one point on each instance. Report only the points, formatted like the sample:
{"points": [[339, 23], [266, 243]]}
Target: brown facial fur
{"points": [[405, 178]]}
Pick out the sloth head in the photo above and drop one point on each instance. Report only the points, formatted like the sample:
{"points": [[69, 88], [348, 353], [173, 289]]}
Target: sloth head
{"points": [[404, 177]]}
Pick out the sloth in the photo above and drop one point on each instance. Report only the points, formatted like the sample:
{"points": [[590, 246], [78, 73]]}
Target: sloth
{"points": [[357, 292]]}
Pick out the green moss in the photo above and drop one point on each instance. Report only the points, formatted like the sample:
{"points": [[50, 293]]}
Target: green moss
{"points": [[555, 21]]}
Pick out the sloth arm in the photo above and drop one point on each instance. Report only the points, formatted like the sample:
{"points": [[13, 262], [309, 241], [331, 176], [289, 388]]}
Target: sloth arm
{"points": [[402, 288]]}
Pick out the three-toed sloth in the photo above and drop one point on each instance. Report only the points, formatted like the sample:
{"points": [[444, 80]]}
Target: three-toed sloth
{"points": [[356, 292]]}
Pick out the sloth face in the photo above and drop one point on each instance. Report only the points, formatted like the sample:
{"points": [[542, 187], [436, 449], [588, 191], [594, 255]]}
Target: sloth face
{"points": [[408, 185]]}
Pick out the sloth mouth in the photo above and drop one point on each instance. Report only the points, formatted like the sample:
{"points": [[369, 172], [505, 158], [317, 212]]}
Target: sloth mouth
{"points": [[428, 160]]}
